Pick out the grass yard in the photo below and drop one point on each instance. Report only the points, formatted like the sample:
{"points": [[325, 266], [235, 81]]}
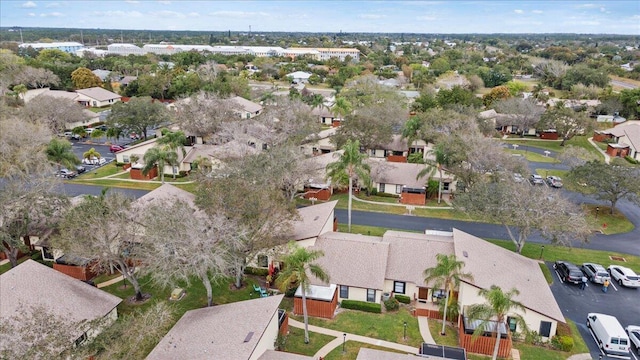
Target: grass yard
{"points": [[343, 200], [351, 351], [605, 221], [37, 256], [547, 273], [451, 337], [139, 185], [100, 172], [294, 342], [534, 157], [554, 145], [387, 326]]}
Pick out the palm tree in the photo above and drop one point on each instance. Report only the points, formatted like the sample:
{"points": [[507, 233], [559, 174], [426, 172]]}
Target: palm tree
{"points": [[115, 133], [299, 263], [342, 107], [441, 161], [80, 131], [499, 304], [158, 156], [447, 273], [350, 165], [411, 130], [60, 153], [97, 133], [173, 141], [90, 154]]}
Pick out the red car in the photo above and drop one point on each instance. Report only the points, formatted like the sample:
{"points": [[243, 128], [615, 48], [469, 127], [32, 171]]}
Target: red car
{"points": [[115, 148]]}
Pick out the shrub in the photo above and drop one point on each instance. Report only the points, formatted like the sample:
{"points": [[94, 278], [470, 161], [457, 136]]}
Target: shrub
{"points": [[374, 191], [402, 298], [120, 164], [563, 329], [256, 271], [362, 306], [391, 304], [383, 194], [631, 160], [563, 343]]}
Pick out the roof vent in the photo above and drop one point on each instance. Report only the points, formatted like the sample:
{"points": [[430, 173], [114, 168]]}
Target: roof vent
{"points": [[316, 218], [248, 338], [465, 254]]}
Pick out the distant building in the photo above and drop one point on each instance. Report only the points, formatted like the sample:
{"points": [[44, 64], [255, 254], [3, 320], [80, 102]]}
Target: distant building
{"points": [[125, 49], [68, 47]]}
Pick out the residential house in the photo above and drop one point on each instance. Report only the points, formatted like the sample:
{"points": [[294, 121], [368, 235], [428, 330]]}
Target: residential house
{"points": [[97, 97], [319, 143], [364, 267], [326, 116], [318, 186], [398, 149], [102, 74], [399, 179], [32, 286], [615, 119], [299, 77], [244, 108], [243, 330], [215, 154], [626, 137], [58, 94]]}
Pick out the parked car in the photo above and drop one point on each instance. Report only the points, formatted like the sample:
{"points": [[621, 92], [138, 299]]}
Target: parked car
{"points": [[517, 178], [89, 130], [134, 136], [595, 272], [102, 127], [80, 169], [115, 148], [68, 134], [66, 173], [634, 335], [609, 335], [74, 137], [568, 272], [536, 179], [624, 276], [554, 181], [94, 161]]}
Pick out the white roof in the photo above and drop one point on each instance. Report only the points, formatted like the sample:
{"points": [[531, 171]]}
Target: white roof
{"points": [[318, 292]]}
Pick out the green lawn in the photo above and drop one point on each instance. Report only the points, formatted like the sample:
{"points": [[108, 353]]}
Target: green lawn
{"points": [[103, 171], [534, 157], [343, 200], [606, 222], [387, 326], [294, 342], [547, 273], [140, 185], [351, 351], [554, 145], [451, 337]]}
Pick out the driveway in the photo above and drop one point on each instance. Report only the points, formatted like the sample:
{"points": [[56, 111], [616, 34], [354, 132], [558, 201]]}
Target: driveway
{"points": [[621, 302]]}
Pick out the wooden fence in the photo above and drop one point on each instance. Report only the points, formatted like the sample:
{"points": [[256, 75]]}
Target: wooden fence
{"points": [[430, 313], [317, 308], [483, 344]]}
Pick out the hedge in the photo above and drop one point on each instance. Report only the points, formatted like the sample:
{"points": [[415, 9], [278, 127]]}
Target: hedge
{"points": [[403, 299], [391, 304], [362, 306], [256, 271], [563, 343]]}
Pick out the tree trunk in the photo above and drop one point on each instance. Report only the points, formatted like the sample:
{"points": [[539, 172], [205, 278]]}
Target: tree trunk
{"points": [[12, 255], [239, 274], [349, 208], [444, 316], [564, 140], [127, 273], [440, 186], [304, 315], [497, 346], [613, 205], [207, 285]]}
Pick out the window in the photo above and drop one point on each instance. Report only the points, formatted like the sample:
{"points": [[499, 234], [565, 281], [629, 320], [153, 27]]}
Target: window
{"points": [[263, 261], [398, 287], [81, 339], [371, 295], [398, 189], [381, 188], [513, 324], [545, 328], [125, 159], [445, 186], [344, 291]]}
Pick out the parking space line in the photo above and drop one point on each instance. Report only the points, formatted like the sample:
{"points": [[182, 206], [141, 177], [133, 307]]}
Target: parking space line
{"points": [[613, 286], [558, 275], [632, 354]]}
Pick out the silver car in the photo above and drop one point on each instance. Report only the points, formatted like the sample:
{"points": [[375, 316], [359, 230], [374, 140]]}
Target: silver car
{"points": [[595, 272]]}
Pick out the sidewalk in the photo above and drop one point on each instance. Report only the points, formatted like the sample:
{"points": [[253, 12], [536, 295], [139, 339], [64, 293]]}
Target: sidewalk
{"points": [[340, 337], [445, 198], [607, 158]]}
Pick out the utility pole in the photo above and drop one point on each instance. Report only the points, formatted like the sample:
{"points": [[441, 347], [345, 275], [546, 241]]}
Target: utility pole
{"points": [[21, 39], [121, 38], [81, 37], [249, 30]]}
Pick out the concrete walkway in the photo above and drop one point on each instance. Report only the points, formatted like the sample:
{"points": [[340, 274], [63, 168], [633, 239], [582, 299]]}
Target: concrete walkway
{"points": [[340, 337], [585, 356], [444, 198], [607, 158], [423, 324]]}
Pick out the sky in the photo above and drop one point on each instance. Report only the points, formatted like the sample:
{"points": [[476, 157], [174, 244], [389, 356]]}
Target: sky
{"points": [[451, 16]]}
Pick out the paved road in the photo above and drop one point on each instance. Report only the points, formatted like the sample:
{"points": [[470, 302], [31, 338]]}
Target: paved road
{"points": [[623, 84]]}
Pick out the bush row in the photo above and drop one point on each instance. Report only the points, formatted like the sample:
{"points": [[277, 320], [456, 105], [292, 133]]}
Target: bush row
{"points": [[403, 299], [362, 306], [256, 271]]}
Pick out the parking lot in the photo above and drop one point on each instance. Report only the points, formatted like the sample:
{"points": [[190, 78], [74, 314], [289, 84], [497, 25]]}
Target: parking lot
{"points": [[621, 302]]}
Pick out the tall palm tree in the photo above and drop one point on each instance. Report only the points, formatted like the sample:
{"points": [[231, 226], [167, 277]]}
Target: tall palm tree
{"points": [[97, 133], [447, 273], [350, 165], [299, 263], [499, 305], [342, 107], [411, 130], [173, 141], [158, 156], [91, 153], [441, 162], [59, 152]]}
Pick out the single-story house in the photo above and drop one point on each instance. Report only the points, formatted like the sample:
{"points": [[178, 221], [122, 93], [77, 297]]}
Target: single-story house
{"points": [[32, 286], [398, 149], [244, 108], [243, 330], [102, 74], [319, 143], [326, 116], [390, 177], [58, 94], [318, 186], [216, 154], [615, 119], [364, 267], [627, 139], [97, 97], [299, 77]]}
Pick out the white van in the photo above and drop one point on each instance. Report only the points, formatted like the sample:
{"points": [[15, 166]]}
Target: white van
{"points": [[609, 335]]}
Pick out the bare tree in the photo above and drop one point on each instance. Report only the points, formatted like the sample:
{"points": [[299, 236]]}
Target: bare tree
{"points": [[103, 229], [567, 122], [56, 114], [576, 156], [22, 147], [524, 113], [524, 209], [203, 114], [37, 77], [181, 242], [290, 120]]}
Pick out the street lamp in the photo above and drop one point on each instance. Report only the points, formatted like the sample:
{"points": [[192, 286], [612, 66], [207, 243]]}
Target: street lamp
{"points": [[541, 251], [597, 211], [344, 339], [405, 330]]}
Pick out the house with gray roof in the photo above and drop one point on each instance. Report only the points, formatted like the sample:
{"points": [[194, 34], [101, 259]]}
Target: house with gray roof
{"points": [[243, 330], [244, 108], [32, 286], [97, 97], [627, 139]]}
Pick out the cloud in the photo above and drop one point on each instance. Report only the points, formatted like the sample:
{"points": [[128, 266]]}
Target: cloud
{"points": [[537, 11], [132, 1], [52, 5], [31, 14], [168, 14], [602, 9], [587, 6], [193, 14], [52, 14], [164, 2], [371, 16], [29, 4], [238, 14], [518, 11]]}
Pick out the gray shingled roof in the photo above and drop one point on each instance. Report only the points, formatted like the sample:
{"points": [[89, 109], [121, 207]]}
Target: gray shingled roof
{"points": [[383, 171], [312, 220], [493, 265], [98, 93], [411, 253], [353, 259], [34, 284], [246, 105], [168, 194], [218, 332]]}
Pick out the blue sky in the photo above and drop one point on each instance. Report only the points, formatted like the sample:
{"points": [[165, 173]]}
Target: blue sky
{"points": [[452, 16]]}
